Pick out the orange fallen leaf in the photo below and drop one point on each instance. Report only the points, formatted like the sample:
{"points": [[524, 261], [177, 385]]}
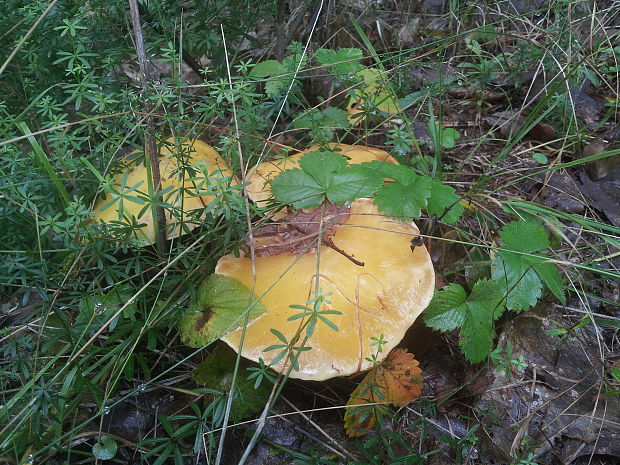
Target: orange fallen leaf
{"points": [[396, 381]]}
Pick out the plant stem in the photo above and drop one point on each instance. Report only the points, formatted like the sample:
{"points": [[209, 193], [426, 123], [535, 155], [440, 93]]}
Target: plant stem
{"points": [[150, 148]]}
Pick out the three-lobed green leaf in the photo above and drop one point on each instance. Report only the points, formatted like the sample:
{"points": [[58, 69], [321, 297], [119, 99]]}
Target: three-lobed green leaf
{"points": [[325, 175], [451, 308], [520, 271]]}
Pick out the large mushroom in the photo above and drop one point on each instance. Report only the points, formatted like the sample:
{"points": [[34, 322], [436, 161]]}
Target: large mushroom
{"points": [[380, 285], [185, 185]]}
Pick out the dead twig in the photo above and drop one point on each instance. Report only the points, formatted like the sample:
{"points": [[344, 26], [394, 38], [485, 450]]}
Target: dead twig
{"points": [[150, 148]]}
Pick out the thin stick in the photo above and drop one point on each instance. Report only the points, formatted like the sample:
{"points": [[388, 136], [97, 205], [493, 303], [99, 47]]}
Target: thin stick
{"points": [[150, 148]]}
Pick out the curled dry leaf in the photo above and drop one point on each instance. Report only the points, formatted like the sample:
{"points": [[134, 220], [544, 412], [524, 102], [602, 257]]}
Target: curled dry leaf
{"points": [[396, 381], [298, 232]]}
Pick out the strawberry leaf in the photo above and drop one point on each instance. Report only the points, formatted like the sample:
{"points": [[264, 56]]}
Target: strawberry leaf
{"points": [[444, 203], [451, 309], [297, 188], [404, 200], [483, 306], [447, 310], [522, 276], [352, 183]]}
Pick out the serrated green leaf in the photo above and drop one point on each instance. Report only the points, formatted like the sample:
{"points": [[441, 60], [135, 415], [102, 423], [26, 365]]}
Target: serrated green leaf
{"points": [[330, 117], [451, 308], [341, 61], [322, 165], [216, 373], [105, 449], [404, 201], [523, 236], [549, 274], [297, 188], [484, 305], [447, 311], [274, 87], [219, 307], [399, 173], [476, 334], [267, 68], [353, 182], [520, 283], [444, 197], [522, 276]]}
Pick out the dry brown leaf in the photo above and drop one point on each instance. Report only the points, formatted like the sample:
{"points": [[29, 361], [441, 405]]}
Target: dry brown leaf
{"points": [[397, 381]]}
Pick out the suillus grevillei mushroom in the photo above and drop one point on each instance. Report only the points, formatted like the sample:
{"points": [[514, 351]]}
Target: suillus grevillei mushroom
{"points": [[373, 283], [184, 181]]}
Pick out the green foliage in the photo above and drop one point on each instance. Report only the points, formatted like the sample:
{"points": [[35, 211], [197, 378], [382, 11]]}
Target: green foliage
{"points": [[281, 75], [518, 277], [343, 62], [222, 304], [325, 176], [520, 271], [451, 308], [322, 123], [216, 374], [409, 193], [105, 449]]}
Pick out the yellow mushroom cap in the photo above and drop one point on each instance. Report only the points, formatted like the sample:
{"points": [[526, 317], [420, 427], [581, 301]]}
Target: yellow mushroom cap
{"points": [[383, 297], [197, 155], [258, 188]]}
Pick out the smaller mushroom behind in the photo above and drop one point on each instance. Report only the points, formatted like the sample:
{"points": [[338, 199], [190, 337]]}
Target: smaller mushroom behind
{"points": [[381, 298], [184, 184]]}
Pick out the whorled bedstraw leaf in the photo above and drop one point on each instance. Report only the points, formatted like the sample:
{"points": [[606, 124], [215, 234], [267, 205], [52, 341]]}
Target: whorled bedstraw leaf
{"points": [[216, 372], [404, 201], [522, 276], [219, 307], [297, 188]]}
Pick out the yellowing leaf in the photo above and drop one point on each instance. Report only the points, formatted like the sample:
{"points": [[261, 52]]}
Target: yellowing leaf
{"points": [[397, 381]]}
